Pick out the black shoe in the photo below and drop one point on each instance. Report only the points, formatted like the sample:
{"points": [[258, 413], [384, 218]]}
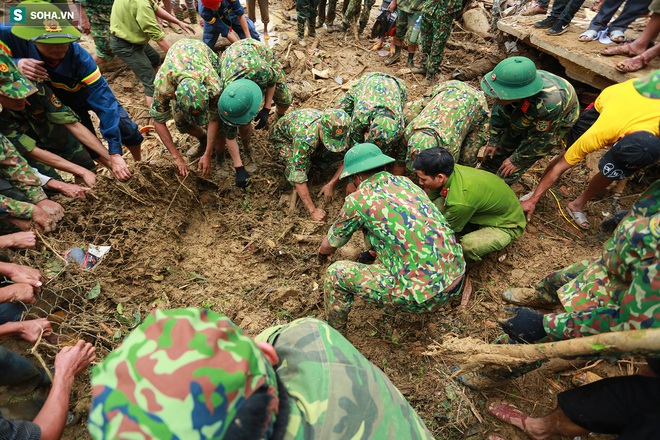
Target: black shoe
{"points": [[545, 23], [557, 28], [393, 59]]}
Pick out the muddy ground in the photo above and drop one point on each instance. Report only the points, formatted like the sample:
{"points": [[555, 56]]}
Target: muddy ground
{"points": [[204, 243]]}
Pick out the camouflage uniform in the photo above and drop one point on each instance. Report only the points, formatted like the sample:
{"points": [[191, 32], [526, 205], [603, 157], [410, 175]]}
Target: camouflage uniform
{"points": [[42, 124], [420, 258], [336, 391], [307, 11], [435, 28], [620, 289], [255, 61], [455, 117], [188, 374], [98, 12], [296, 136], [375, 96], [193, 60], [17, 174], [531, 128], [351, 14]]}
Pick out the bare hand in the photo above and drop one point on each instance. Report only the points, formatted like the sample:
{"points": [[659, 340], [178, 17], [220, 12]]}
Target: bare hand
{"points": [[489, 152], [86, 27], [327, 191], [71, 190], [19, 292], [89, 178], [119, 167], [507, 168], [43, 220], [392, 6], [24, 274], [31, 330], [187, 28], [318, 215], [182, 167], [204, 165], [20, 240], [32, 69], [528, 206], [53, 208], [73, 360]]}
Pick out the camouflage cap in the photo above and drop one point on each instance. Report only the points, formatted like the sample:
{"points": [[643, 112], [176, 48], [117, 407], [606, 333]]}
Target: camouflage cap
{"points": [[183, 373], [192, 99], [333, 130], [12, 82], [649, 85], [51, 30], [383, 132]]}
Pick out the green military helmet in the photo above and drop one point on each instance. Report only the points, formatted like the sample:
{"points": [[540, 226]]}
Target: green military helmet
{"points": [[649, 85], [334, 123], [419, 141], [12, 82], [240, 102], [513, 78], [192, 99], [44, 23], [363, 157], [383, 132], [183, 373]]}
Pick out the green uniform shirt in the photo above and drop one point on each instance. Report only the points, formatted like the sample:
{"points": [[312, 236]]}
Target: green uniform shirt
{"points": [[15, 170], [478, 197], [40, 124], [336, 393], [410, 6], [135, 21]]}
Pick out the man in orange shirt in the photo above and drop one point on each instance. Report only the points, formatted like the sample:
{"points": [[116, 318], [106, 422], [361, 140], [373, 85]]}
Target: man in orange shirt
{"points": [[626, 116]]}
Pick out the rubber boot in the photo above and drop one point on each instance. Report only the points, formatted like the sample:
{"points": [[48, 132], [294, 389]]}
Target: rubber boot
{"points": [[394, 58], [422, 65], [361, 27], [311, 30], [192, 15]]}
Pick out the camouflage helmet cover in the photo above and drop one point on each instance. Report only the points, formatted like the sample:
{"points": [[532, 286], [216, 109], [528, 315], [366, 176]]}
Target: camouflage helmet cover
{"points": [[183, 373], [334, 123], [649, 85]]}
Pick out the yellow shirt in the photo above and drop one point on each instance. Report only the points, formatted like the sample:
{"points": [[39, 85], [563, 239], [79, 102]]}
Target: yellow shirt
{"points": [[135, 21], [623, 110]]}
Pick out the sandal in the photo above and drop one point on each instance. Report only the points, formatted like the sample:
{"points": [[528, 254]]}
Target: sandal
{"points": [[631, 64], [579, 218], [588, 35], [623, 49], [617, 36]]}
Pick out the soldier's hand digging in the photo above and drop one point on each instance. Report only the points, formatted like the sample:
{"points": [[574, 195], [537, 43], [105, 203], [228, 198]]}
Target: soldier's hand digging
{"points": [[262, 118]]}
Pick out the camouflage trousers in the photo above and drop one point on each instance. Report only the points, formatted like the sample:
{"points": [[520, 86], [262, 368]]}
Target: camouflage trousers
{"points": [[99, 20], [353, 11], [486, 240], [435, 32], [329, 17], [307, 10], [375, 284]]}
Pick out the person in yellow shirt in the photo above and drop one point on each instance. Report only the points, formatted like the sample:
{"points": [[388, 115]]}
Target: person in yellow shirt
{"points": [[626, 116]]}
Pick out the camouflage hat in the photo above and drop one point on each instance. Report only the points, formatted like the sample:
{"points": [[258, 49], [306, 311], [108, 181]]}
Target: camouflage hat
{"points": [[420, 141], [183, 373], [192, 99], [333, 130], [649, 85], [12, 83], [240, 102], [384, 131], [47, 26]]}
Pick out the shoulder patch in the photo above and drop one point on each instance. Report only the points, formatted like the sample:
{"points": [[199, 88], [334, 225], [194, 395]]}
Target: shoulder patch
{"points": [[542, 125], [56, 102], [525, 106], [654, 225]]}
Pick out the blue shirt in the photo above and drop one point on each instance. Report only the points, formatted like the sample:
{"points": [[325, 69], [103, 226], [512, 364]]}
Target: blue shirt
{"points": [[76, 81], [223, 16]]}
